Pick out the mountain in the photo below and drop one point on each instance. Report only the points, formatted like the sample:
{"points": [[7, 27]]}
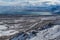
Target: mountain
{"points": [[29, 6]]}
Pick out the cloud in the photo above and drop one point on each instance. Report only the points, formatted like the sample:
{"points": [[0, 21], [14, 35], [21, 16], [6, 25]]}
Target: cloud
{"points": [[27, 2], [10, 2]]}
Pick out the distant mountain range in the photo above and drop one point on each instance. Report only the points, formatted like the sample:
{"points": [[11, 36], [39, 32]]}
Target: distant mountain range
{"points": [[28, 9], [31, 6]]}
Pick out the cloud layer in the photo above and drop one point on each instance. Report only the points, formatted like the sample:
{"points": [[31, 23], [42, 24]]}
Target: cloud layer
{"points": [[30, 2]]}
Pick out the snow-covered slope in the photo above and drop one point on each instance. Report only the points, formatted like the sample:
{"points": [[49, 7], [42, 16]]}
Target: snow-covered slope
{"points": [[49, 34]]}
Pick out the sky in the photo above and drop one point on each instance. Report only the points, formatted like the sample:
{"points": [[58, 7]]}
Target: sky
{"points": [[15, 2]]}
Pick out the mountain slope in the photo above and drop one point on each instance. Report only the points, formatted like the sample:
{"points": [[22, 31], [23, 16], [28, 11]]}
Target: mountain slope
{"points": [[49, 34]]}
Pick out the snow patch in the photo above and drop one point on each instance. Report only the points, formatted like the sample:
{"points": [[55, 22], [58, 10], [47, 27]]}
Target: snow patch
{"points": [[8, 33], [5, 32], [2, 27]]}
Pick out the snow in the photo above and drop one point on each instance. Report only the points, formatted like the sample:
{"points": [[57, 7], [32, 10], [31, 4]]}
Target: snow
{"points": [[8, 33], [5, 32], [2, 27], [49, 18], [50, 33]]}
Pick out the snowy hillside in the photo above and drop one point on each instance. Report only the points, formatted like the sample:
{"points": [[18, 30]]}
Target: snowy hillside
{"points": [[49, 34]]}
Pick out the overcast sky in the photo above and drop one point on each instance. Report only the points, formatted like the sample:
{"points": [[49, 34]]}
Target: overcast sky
{"points": [[15, 2]]}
